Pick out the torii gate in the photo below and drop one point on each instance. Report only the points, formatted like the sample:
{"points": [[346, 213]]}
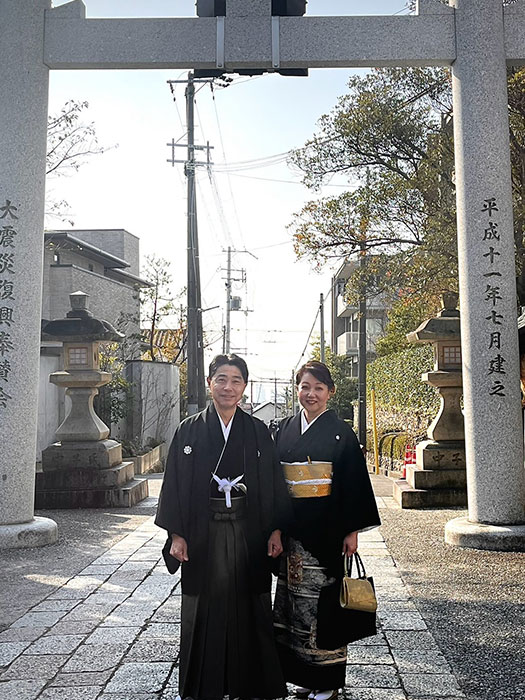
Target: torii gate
{"points": [[477, 38]]}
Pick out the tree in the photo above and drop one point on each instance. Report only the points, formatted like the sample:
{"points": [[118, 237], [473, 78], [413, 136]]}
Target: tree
{"points": [[157, 300], [70, 142], [392, 136], [346, 385], [406, 314]]}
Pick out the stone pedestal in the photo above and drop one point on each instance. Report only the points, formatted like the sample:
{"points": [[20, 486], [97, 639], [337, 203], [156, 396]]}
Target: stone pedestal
{"points": [[23, 116], [500, 538], [87, 475], [90, 487], [103, 454], [439, 478], [35, 533]]}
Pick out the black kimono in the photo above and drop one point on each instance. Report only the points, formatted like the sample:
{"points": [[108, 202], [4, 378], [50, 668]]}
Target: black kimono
{"points": [[331, 497], [227, 645]]}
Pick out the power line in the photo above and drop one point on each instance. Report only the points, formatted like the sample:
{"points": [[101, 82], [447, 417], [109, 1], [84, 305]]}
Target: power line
{"points": [[272, 179], [326, 296], [221, 140]]}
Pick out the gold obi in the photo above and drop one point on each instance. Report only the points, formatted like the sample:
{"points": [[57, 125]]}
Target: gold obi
{"points": [[308, 479]]}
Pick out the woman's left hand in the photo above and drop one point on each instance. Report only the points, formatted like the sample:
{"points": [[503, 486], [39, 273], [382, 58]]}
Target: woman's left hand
{"points": [[275, 546], [350, 544]]}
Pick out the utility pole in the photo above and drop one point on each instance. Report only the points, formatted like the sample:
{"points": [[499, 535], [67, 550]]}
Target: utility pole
{"points": [[362, 323], [362, 361], [196, 389], [293, 392], [226, 344], [321, 317], [193, 324]]}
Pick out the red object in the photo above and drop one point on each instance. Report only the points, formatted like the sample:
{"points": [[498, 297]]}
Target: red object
{"points": [[410, 458]]}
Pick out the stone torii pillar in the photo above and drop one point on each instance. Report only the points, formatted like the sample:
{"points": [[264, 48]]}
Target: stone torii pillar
{"points": [[493, 422], [476, 37], [23, 126]]}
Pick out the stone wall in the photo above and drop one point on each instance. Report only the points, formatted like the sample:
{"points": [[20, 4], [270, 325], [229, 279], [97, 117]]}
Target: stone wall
{"points": [[155, 401], [50, 404]]}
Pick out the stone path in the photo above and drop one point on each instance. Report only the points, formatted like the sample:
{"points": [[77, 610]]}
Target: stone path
{"points": [[111, 633]]}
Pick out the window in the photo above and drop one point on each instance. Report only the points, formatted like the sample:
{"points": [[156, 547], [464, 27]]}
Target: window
{"points": [[56, 258], [452, 355], [78, 356]]}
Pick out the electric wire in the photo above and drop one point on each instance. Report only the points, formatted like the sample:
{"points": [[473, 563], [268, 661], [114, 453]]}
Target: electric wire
{"points": [[235, 211], [327, 295]]}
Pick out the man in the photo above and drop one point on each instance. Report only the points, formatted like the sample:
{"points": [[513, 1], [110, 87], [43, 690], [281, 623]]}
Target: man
{"points": [[223, 504]]}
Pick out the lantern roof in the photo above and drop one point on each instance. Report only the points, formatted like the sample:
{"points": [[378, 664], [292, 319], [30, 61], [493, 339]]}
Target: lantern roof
{"points": [[80, 326], [444, 326]]}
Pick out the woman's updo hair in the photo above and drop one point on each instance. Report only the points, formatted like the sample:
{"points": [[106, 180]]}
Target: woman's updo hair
{"points": [[319, 370]]}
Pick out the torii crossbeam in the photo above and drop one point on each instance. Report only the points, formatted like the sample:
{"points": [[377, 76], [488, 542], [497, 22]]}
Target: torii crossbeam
{"points": [[477, 38]]}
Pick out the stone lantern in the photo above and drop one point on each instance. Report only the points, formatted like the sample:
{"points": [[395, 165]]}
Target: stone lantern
{"points": [[81, 334], [438, 478], [84, 468]]}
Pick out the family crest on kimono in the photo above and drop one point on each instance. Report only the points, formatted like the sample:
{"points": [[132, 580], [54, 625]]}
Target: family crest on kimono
{"points": [[332, 501], [223, 504]]}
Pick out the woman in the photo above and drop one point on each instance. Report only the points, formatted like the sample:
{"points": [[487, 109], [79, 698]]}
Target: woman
{"points": [[332, 501], [223, 503]]}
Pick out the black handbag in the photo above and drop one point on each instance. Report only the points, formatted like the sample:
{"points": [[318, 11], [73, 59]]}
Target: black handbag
{"points": [[338, 626]]}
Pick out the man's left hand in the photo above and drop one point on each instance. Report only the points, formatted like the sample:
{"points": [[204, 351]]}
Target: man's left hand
{"points": [[275, 546]]}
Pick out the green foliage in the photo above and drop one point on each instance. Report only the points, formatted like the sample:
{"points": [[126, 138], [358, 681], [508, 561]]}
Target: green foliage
{"points": [[392, 136], [113, 400], [346, 385], [516, 93], [404, 317], [396, 379], [394, 445]]}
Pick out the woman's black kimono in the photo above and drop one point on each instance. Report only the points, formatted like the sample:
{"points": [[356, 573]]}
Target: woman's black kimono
{"points": [[227, 645], [313, 550]]}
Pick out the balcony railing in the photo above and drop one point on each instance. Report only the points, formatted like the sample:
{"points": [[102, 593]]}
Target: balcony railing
{"points": [[348, 343]]}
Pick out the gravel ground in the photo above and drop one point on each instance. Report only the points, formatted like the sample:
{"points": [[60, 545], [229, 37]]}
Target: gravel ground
{"points": [[472, 601]]}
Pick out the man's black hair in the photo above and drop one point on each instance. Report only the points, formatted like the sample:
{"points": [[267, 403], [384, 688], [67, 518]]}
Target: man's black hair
{"points": [[231, 359]]}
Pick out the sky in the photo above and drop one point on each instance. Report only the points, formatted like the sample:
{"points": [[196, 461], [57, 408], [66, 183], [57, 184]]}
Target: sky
{"points": [[132, 186]]}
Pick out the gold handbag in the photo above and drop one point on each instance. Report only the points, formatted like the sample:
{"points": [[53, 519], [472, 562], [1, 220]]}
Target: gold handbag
{"points": [[357, 593]]}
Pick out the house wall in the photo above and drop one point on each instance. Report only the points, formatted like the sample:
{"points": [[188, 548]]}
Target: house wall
{"points": [[107, 298], [50, 403], [266, 413], [155, 402], [118, 242]]}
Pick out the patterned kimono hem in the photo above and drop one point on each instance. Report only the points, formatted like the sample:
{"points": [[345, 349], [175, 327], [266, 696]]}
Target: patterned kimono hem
{"points": [[295, 623]]}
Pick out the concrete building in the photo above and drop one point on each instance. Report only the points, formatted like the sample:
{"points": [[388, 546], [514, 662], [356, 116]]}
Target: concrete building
{"points": [[345, 319], [104, 263]]}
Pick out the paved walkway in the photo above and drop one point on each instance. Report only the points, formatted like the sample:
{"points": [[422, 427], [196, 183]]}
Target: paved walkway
{"points": [[111, 632]]}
